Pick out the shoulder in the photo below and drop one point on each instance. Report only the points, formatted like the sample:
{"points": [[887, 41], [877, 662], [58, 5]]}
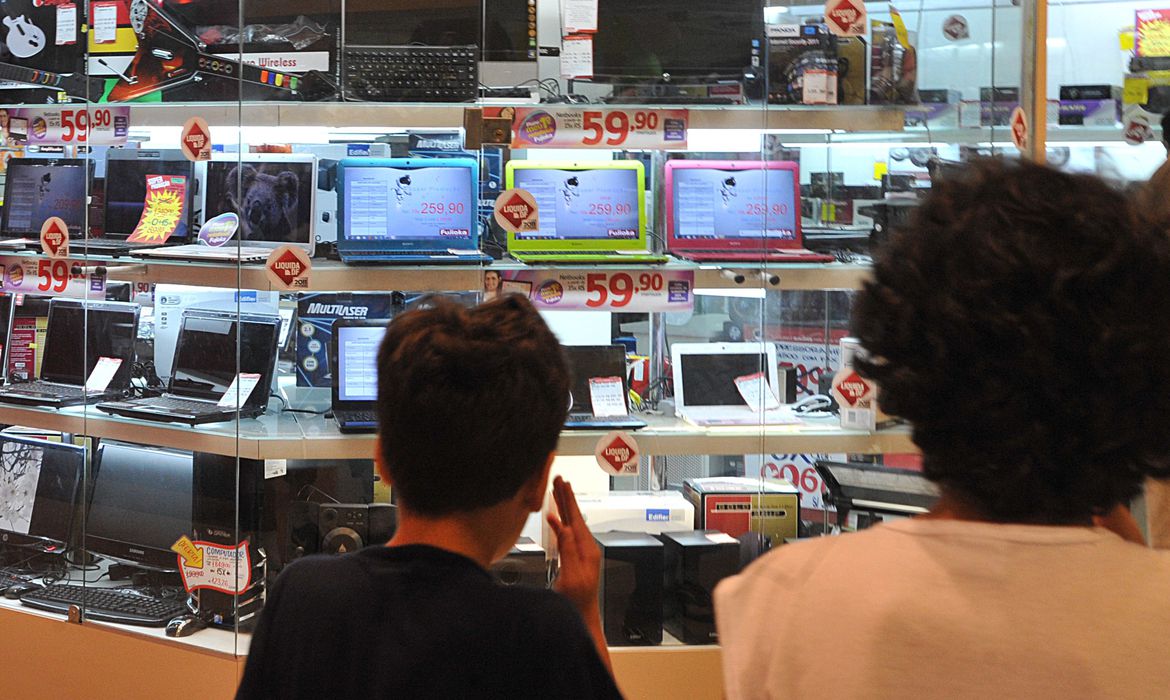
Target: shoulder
{"points": [[319, 576]]}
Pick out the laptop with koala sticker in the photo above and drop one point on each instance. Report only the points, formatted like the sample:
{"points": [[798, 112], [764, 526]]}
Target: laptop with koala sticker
{"points": [[408, 210], [274, 197]]}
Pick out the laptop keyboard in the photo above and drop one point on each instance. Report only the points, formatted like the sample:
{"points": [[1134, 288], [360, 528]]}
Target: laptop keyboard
{"points": [[40, 387], [359, 416], [175, 403]]}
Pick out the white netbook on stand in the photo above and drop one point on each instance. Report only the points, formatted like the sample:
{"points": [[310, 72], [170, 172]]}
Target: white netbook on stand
{"points": [[274, 196], [728, 384]]}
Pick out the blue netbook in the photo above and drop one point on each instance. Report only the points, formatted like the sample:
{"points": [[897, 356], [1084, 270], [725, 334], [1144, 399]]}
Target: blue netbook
{"points": [[408, 210]]}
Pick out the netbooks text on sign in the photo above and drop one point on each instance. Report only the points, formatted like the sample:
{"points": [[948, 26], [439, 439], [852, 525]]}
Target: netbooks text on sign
{"points": [[570, 127]]}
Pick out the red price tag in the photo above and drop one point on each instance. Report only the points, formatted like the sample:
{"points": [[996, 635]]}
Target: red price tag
{"points": [[617, 290], [569, 127], [96, 126]]}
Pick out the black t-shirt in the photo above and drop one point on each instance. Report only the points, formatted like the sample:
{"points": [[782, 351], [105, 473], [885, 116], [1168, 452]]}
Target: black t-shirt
{"points": [[416, 622]]}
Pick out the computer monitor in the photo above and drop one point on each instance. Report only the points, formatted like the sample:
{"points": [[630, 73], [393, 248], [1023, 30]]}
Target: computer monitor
{"points": [[38, 490], [584, 202], [110, 329], [404, 203], [356, 352], [705, 373], [649, 40], [127, 170], [140, 504], [510, 30], [213, 347], [588, 362], [731, 204], [450, 23], [273, 194], [37, 189]]}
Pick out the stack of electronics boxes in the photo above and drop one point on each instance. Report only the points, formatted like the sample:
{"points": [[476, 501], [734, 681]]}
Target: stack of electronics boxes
{"points": [[809, 65]]}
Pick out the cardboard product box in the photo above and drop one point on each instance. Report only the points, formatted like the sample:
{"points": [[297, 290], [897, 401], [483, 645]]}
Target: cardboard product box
{"points": [[852, 54], [997, 104], [938, 108], [738, 505], [695, 563], [1089, 105], [802, 64], [632, 577], [316, 313]]}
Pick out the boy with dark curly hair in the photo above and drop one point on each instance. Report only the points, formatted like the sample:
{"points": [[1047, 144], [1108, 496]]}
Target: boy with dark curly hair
{"points": [[1022, 327]]}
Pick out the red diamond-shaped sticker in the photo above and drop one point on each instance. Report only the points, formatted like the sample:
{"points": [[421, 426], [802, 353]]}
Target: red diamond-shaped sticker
{"points": [[289, 267], [616, 452], [846, 18], [853, 388], [55, 238]]}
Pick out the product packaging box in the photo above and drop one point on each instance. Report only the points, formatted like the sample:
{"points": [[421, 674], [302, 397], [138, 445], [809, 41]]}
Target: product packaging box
{"points": [[802, 64], [314, 327], [737, 505], [695, 563], [852, 53], [632, 576], [893, 66], [1090, 105], [939, 107]]}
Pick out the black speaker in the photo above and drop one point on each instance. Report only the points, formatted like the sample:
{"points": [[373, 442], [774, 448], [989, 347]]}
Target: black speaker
{"points": [[631, 588], [336, 528], [525, 565], [695, 563]]}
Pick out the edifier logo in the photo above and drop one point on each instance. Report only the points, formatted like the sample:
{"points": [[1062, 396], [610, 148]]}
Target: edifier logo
{"points": [[341, 310]]}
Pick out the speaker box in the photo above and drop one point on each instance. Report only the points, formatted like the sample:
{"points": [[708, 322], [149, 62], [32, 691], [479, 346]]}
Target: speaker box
{"points": [[525, 565], [695, 563], [337, 528], [631, 588]]}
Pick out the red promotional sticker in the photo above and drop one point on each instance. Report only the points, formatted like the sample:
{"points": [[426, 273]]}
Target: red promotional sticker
{"points": [[617, 454]]}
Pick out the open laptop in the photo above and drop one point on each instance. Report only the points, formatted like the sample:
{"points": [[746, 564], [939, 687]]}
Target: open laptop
{"points": [[877, 489], [705, 390], [36, 189], [601, 362], [274, 196], [205, 368], [127, 172], [588, 212], [408, 210], [353, 359], [110, 329], [735, 211]]}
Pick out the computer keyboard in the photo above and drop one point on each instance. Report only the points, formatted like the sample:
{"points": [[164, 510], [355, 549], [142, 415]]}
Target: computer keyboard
{"points": [[122, 605], [8, 580], [358, 416], [411, 73], [175, 403], [40, 387]]}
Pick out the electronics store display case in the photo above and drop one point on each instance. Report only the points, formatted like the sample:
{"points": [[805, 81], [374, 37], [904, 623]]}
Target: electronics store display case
{"points": [[709, 195]]}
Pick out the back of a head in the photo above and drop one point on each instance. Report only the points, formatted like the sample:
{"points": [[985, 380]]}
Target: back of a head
{"points": [[1021, 326], [471, 402]]}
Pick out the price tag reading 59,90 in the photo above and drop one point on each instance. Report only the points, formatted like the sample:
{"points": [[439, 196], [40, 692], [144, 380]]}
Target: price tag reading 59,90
{"points": [[647, 291], [94, 126], [570, 127]]}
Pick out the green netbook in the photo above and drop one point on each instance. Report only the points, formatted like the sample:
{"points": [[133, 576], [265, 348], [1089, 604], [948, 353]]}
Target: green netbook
{"points": [[588, 212]]}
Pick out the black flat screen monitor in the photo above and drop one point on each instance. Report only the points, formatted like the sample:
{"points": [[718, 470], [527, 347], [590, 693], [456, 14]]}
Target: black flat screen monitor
{"points": [[38, 490], [126, 173], [110, 329], [37, 189], [213, 347], [696, 40], [140, 504]]}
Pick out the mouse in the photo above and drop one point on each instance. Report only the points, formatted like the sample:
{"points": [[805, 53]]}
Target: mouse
{"points": [[185, 625], [20, 589]]}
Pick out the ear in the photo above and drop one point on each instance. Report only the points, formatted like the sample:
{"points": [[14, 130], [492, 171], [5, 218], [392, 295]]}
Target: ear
{"points": [[287, 184], [532, 493], [380, 466]]}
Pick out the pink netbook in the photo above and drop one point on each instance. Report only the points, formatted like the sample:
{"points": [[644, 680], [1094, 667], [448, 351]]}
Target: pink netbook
{"points": [[735, 211]]}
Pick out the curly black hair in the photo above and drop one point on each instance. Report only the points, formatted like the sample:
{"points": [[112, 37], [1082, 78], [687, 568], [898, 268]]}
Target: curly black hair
{"points": [[1020, 324]]}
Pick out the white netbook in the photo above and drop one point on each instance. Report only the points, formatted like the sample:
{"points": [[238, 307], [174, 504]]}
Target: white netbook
{"points": [[714, 383], [274, 196]]}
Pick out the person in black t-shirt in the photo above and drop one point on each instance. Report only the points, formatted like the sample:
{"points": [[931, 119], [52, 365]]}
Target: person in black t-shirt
{"points": [[470, 407]]}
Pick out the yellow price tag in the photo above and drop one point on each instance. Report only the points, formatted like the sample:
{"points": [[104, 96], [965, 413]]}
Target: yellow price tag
{"points": [[1136, 91], [192, 555], [1125, 38], [880, 168]]}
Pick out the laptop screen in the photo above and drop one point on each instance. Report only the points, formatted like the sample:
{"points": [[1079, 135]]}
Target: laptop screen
{"points": [[590, 362], [37, 189], [274, 198], [39, 480], [109, 329], [714, 203], [427, 203], [126, 188], [357, 362], [141, 503], [205, 356], [599, 204], [709, 380]]}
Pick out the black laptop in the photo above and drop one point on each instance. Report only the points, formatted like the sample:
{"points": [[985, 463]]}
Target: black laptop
{"points": [[353, 360], [110, 329], [205, 368], [36, 189], [128, 171], [588, 362]]}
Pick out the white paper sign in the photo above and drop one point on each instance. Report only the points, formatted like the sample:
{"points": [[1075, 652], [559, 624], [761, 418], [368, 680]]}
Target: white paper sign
{"points": [[66, 24], [274, 468], [577, 56], [105, 23], [721, 538], [756, 391], [607, 396], [578, 16], [103, 373], [241, 388]]}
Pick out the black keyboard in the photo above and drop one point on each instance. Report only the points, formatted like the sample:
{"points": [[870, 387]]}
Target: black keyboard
{"points": [[62, 390], [179, 405], [121, 605], [8, 580], [411, 73], [358, 416]]}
